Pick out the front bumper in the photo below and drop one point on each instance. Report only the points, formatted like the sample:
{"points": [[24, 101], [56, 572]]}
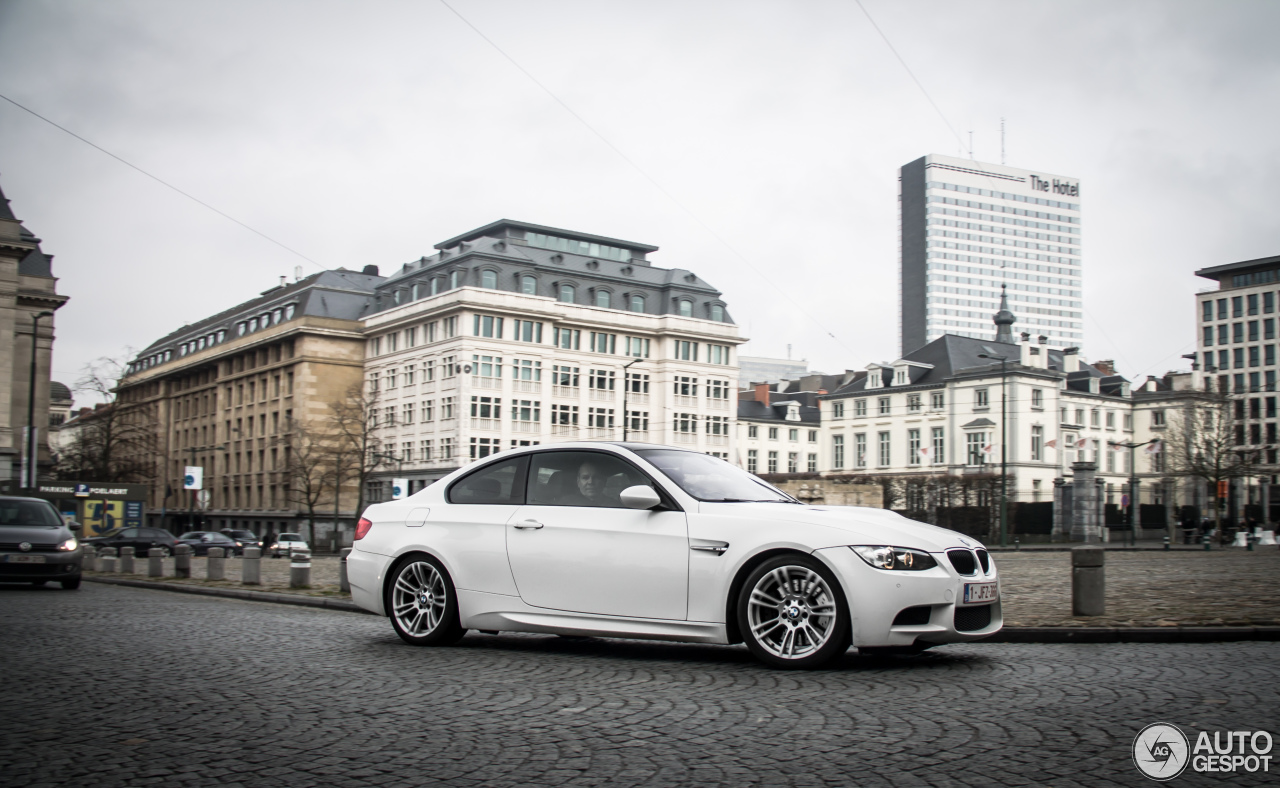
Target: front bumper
{"points": [[55, 566], [876, 598]]}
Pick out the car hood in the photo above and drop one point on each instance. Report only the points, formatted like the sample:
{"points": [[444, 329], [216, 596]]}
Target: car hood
{"points": [[849, 525], [35, 534]]}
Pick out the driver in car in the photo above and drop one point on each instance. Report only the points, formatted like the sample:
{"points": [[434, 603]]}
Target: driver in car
{"points": [[590, 481]]}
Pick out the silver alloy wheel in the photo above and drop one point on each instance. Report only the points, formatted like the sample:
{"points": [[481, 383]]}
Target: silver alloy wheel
{"points": [[418, 598], [792, 612]]}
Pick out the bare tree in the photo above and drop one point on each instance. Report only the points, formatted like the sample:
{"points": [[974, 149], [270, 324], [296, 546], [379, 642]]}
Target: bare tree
{"points": [[310, 470], [357, 450], [1204, 439], [116, 441]]}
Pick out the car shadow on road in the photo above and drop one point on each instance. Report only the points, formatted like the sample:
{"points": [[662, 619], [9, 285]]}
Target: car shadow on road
{"points": [[617, 650]]}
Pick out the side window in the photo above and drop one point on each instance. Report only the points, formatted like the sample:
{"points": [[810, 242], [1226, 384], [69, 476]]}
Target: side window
{"points": [[499, 483], [130, 533], [581, 478]]}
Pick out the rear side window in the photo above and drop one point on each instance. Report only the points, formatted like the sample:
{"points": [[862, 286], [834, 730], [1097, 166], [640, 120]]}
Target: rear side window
{"points": [[499, 483]]}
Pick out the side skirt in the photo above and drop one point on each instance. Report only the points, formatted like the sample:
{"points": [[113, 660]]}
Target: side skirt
{"points": [[497, 612]]}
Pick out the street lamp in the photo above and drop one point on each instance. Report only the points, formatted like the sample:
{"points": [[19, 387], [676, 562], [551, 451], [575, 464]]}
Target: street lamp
{"points": [[1135, 512], [626, 389], [30, 480], [1004, 453]]}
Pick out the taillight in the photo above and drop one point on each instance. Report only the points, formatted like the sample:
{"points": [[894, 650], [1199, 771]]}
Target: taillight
{"points": [[362, 528]]}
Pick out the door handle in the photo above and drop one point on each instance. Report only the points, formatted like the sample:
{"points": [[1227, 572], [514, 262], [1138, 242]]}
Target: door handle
{"points": [[528, 525]]}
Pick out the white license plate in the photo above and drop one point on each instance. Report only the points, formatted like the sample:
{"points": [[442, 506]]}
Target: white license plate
{"points": [[24, 559], [980, 593]]}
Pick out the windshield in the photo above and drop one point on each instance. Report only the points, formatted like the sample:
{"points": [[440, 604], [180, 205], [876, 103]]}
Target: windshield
{"points": [[711, 479], [37, 513]]}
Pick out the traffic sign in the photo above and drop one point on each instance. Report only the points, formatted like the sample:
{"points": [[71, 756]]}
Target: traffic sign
{"points": [[194, 478], [202, 499]]}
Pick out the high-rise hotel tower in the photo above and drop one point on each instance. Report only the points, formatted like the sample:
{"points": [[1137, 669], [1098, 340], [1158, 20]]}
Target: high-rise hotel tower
{"points": [[969, 228]]}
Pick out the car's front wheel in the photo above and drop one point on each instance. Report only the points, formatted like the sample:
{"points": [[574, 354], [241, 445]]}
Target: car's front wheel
{"points": [[792, 615], [423, 604], [164, 552], [71, 585]]}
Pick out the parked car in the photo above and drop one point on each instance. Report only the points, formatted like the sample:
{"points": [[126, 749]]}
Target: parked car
{"points": [[36, 545], [285, 544], [140, 539], [243, 539], [637, 540], [201, 541]]}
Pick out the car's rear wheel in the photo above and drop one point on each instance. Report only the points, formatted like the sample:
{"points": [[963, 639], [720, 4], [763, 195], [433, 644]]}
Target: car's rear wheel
{"points": [[165, 552], [422, 603], [792, 614]]}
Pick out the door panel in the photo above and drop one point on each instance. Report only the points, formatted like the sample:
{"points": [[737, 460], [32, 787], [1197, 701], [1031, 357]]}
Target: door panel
{"points": [[610, 561]]}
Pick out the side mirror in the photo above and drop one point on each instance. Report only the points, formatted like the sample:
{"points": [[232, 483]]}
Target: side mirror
{"points": [[74, 528], [639, 497]]}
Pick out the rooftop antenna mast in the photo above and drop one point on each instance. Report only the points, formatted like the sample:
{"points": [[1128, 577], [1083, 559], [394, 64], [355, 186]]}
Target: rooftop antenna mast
{"points": [[971, 146], [1002, 140]]}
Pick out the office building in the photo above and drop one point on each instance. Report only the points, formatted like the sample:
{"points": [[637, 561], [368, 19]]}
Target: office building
{"points": [[967, 230]]}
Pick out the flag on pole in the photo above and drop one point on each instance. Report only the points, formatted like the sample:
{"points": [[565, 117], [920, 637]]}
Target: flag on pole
{"points": [[1051, 444], [1080, 444], [1154, 448], [988, 448]]}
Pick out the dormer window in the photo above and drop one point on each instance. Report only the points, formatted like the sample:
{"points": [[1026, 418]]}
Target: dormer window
{"points": [[455, 279], [567, 294], [603, 299], [637, 303], [793, 412], [685, 308], [528, 285], [717, 313], [489, 279]]}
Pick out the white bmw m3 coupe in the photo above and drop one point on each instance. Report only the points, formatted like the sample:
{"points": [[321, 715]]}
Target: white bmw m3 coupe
{"points": [[643, 541]]}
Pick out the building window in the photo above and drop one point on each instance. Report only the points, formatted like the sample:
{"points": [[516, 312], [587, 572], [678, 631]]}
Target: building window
{"points": [[526, 411], [637, 303], [1157, 418], [489, 279], [1037, 442], [637, 383], [773, 462], [975, 448], [638, 420], [753, 460], [686, 423], [428, 410], [686, 350], [939, 445], [486, 407], [793, 462], [483, 447], [450, 327], [753, 431], [717, 313], [837, 452], [528, 285], [487, 366], [717, 425], [813, 436], [773, 433], [637, 347], [568, 338], [883, 406], [603, 299], [566, 293], [981, 399], [884, 456], [1095, 418], [1111, 419], [601, 379], [837, 410], [793, 435], [604, 343], [1037, 399], [913, 447], [937, 400], [860, 450], [686, 308], [686, 386], [406, 414], [717, 354], [446, 409], [812, 464], [859, 407], [528, 331], [527, 370], [488, 326], [913, 403], [564, 415]]}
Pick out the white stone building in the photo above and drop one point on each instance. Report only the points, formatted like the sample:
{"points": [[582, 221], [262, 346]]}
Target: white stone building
{"points": [[516, 334]]}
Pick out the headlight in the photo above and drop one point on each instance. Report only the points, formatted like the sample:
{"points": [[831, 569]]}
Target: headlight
{"points": [[69, 545], [895, 558]]}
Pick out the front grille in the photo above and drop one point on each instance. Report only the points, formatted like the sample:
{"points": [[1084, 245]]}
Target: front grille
{"points": [[913, 616], [35, 570], [963, 561], [984, 558], [35, 548], [971, 619]]}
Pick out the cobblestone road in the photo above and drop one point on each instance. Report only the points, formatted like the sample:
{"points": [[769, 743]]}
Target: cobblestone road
{"points": [[112, 686]]}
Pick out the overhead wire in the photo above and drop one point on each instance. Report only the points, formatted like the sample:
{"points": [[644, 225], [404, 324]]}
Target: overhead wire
{"points": [[652, 180], [161, 181]]}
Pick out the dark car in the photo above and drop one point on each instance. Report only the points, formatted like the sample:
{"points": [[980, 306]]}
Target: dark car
{"points": [[36, 546], [201, 541], [140, 539], [243, 539]]}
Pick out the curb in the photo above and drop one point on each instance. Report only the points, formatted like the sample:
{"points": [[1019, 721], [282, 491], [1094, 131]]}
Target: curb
{"points": [[1007, 635], [236, 593]]}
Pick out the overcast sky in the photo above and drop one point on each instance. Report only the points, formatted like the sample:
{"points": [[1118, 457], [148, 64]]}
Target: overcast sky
{"points": [[764, 140]]}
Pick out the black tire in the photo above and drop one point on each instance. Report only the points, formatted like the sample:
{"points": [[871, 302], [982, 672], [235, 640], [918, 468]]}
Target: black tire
{"points": [[38, 583], [427, 615], [792, 613], [71, 585], [165, 552]]}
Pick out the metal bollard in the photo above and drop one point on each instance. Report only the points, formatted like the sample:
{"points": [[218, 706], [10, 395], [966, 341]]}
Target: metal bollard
{"points": [[300, 569], [1017, 544], [89, 559], [107, 561], [155, 562], [216, 566], [1208, 545], [182, 560], [1088, 581], [126, 560], [1166, 543], [251, 567], [343, 583]]}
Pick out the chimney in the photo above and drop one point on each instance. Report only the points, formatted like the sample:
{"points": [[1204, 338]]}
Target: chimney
{"points": [[1071, 360], [762, 392], [370, 270], [1107, 368]]}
